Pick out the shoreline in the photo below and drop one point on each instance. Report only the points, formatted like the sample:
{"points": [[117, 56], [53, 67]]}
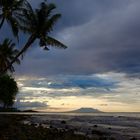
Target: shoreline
{"points": [[109, 114], [119, 128]]}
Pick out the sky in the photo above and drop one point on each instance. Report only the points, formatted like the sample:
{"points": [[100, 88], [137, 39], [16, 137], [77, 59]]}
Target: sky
{"points": [[99, 69]]}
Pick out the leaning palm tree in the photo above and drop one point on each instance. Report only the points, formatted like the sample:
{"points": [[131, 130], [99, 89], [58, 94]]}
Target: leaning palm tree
{"points": [[7, 54], [38, 24], [9, 9]]}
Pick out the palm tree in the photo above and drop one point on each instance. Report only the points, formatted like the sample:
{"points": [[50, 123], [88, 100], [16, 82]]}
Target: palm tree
{"points": [[7, 54], [9, 10], [38, 24]]}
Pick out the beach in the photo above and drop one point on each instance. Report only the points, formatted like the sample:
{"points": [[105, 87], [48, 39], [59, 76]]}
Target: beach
{"points": [[92, 127], [119, 127]]}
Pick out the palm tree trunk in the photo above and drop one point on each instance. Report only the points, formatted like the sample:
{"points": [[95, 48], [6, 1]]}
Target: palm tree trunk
{"points": [[2, 22], [27, 45]]}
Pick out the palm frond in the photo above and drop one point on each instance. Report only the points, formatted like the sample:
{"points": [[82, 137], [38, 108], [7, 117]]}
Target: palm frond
{"points": [[18, 5], [1, 16], [50, 23], [14, 25], [51, 7], [28, 6], [7, 54], [17, 61], [2, 22], [11, 9], [47, 8], [55, 43]]}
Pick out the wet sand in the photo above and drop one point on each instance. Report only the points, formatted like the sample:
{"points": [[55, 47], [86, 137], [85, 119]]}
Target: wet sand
{"points": [[119, 127]]}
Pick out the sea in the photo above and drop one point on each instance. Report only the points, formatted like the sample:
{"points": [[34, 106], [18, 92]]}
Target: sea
{"points": [[114, 114]]}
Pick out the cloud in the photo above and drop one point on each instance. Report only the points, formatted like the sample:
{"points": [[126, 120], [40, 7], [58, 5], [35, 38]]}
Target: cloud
{"points": [[63, 90], [101, 38], [95, 85], [23, 105], [67, 82], [80, 81]]}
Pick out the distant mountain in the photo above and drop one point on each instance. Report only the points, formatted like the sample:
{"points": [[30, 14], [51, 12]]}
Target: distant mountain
{"points": [[85, 110]]}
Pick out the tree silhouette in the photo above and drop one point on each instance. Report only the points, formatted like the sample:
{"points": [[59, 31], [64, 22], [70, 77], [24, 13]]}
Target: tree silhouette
{"points": [[38, 24], [8, 90], [9, 10], [7, 54]]}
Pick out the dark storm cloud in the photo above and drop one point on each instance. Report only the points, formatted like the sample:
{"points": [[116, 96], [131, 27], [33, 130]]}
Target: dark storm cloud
{"points": [[102, 36], [77, 12], [29, 105], [82, 82]]}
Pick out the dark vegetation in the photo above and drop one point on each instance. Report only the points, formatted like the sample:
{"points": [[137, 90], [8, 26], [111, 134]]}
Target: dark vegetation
{"points": [[36, 24], [8, 91]]}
